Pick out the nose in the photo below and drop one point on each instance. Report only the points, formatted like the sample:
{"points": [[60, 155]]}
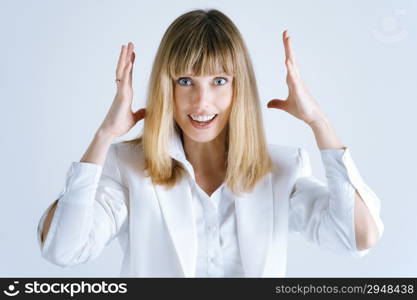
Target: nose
{"points": [[201, 96]]}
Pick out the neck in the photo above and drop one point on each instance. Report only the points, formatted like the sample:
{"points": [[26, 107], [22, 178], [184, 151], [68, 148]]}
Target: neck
{"points": [[209, 157]]}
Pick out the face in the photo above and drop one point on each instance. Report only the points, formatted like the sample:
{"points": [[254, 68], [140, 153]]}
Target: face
{"points": [[202, 105]]}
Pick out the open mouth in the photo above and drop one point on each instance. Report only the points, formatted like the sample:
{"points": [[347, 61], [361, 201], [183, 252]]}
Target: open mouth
{"points": [[202, 124]]}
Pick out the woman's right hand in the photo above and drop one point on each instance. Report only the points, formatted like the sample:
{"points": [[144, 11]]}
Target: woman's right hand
{"points": [[120, 118]]}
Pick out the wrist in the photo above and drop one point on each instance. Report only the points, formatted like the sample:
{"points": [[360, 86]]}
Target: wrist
{"points": [[325, 135], [104, 136], [318, 122]]}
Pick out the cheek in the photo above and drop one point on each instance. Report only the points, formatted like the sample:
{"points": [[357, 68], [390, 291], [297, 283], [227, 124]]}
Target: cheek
{"points": [[179, 103], [180, 111], [225, 100]]}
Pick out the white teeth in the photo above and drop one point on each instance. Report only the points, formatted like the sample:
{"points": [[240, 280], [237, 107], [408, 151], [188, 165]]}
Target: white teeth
{"points": [[202, 118]]}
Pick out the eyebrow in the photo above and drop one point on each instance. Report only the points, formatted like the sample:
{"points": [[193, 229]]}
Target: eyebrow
{"points": [[216, 75]]}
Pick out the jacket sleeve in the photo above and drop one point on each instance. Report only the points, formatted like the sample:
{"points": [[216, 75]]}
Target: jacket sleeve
{"points": [[324, 214], [92, 209]]}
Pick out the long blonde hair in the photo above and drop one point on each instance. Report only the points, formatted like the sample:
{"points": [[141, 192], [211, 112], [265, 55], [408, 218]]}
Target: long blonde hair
{"points": [[204, 42]]}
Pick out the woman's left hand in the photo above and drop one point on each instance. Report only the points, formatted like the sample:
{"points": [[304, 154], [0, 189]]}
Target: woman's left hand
{"points": [[299, 102]]}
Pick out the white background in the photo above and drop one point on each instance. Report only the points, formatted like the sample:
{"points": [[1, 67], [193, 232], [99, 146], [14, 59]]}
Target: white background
{"points": [[358, 59]]}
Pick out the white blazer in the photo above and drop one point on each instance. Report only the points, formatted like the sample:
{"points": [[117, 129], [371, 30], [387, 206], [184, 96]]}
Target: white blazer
{"points": [[156, 227]]}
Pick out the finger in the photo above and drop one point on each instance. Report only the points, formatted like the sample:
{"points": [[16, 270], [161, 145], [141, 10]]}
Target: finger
{"points": [[125, 56], [126, 71], [121, 62], [131, 69], [139, 114], [290, 61], [126, 62], [133, 56], [291, 68], [128, 57], [290, 50], [284, 37], [277, 103]]}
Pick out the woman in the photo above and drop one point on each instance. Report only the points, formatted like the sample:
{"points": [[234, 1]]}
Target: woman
{"points": [[200, 193]]}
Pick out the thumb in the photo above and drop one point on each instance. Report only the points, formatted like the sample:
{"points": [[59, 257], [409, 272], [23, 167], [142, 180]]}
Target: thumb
{"points": [[277, 103], [139, 114]]}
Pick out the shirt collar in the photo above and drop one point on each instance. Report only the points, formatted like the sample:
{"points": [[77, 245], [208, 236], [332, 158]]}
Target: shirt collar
{"points": [[176, 151]]}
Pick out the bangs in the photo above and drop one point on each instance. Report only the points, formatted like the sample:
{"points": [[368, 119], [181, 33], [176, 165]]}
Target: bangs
{"points": [[201, 50]]}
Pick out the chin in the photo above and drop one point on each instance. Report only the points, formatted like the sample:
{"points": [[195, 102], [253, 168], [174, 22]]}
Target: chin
{"points": [[201, 137]]}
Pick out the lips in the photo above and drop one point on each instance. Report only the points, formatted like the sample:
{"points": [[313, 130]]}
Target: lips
{"points": [[215, 115], [202, 125]]}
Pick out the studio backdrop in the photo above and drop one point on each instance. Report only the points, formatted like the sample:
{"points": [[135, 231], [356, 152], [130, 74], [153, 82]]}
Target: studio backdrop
{"points": [[358, 59]]}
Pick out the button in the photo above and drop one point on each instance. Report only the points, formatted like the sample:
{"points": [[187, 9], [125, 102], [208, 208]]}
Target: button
{"points": [[212, 229]]}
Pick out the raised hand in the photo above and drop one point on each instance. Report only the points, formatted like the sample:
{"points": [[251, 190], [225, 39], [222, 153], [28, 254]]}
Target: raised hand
{"points": [[299, 102], [120, 117]]}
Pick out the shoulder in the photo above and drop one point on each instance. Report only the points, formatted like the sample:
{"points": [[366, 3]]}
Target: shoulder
{"points": [[285, 156], [127, 147], [128, 155]]}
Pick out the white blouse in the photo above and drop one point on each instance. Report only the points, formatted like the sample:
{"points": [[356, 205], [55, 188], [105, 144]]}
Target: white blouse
{"points": [[218, 253]]}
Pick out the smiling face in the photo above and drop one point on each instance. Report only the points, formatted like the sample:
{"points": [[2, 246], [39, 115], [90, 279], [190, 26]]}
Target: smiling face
{"points": [[200, 98]]}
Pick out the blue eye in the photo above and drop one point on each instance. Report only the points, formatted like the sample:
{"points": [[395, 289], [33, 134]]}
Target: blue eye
{"points": [[181, 79], [222, 78]]}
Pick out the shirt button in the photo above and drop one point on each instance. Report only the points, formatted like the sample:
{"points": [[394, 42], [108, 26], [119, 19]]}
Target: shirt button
{"points": [[212, 229]]}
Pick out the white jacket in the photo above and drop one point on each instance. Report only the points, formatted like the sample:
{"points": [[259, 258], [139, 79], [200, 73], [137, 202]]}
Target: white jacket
{"points": [[156, 227]]}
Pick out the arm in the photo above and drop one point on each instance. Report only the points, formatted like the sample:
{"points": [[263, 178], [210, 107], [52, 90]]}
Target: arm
{"points": [[365, 228], [96, 153], [302, 105], [48, 220], [93, 207], [90, 212]]}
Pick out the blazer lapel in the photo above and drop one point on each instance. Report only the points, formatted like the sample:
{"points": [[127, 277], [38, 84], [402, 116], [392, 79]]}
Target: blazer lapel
{"points": [[176, 207], [254, 214]]}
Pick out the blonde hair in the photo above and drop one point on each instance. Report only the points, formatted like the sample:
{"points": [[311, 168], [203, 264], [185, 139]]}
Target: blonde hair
{"points": [[204, 42]]}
